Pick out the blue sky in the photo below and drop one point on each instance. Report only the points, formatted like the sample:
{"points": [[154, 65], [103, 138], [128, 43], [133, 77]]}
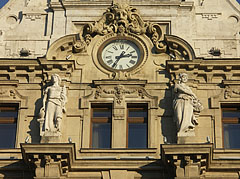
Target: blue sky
{"points": [[3, 2]]}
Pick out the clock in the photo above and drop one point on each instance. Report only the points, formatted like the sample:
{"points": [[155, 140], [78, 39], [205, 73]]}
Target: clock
{"points": [[120, 53]]}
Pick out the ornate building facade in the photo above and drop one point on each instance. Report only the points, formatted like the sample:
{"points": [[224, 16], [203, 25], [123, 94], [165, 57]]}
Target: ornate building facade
{"points": [[120, 89]]}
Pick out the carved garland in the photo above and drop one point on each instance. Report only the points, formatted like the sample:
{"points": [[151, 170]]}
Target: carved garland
{"points": [[119, 93]]}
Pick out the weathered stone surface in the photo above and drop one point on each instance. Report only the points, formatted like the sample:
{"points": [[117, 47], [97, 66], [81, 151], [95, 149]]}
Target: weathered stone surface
{"points": [[39, 38]]}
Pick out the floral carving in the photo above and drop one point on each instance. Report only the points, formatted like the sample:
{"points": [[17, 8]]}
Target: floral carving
{"points": [[229, 92], [8, 93], [98, 92], [118, 92], [3, 92], [123, 19]]}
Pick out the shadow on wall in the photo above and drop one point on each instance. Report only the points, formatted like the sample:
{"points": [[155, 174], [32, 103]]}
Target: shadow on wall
{"points": [[34, 124], [163, 171], [12, 171], [169, 128]]}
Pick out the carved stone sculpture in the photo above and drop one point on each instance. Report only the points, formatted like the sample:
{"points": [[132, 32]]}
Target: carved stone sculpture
{"points": [[51, 113], [122, 19], [186, 106]]}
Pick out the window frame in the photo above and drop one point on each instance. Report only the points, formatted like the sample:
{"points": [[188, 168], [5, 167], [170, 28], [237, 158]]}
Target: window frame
{"points": [[100, 120], [229, 120], [16, 108], [140, 120]]}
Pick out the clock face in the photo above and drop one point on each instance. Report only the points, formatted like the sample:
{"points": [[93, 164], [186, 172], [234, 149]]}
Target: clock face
{"points": [[120, 54]]}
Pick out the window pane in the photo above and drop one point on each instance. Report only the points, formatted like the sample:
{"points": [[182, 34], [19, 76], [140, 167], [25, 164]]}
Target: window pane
{"points": [[137, 135], [8, 135], [101, 125], [141, 112], [102, 112], [8, 125], [231, 113], [231, 136], [8, 114], [101, 135]]}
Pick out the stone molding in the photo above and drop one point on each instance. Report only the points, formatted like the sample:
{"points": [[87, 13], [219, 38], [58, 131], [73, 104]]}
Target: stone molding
{"points": [[229, 93], [208, 68], [51, 160], [189, 160], [119, 91], [11, 95]]}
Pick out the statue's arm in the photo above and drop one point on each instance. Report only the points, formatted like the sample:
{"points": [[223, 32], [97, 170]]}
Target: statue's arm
{"points": [[64, 98], [45, 98], [179, 88]]}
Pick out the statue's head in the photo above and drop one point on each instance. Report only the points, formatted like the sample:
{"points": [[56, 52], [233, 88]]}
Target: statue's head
{"points": [[183, 77], [55, 78]]}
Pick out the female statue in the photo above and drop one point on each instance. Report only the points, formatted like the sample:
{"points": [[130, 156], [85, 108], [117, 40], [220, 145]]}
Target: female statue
{"points": [[54, 104], [185, 104]]}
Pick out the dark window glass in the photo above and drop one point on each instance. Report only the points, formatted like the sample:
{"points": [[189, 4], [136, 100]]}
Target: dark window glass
{"points": [[8, 125], [231, 126], [137, 126], [101, 126]]}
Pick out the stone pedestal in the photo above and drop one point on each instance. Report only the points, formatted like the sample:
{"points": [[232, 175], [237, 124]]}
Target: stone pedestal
{"points": [[186, 138], [51, 137]]}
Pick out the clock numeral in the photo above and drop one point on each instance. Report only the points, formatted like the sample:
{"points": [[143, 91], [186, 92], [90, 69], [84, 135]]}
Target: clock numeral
{"points": [[121, 46], [109, 62], [109, 51], [127, 65], [108, 57], [115, 48], [120, 67], [134, 56], [132, 51], [128, 48], [132, 62]]}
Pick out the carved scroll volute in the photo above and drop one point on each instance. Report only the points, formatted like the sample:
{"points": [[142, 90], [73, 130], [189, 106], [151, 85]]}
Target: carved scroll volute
{"points": [[155, 32]]}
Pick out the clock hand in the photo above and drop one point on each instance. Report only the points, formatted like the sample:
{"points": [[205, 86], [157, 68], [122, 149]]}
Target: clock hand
{"points": [[115, 63], [127, 55], [118, 58]]}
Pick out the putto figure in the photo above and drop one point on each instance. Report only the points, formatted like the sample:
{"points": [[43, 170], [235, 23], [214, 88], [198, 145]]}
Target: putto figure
{"points": [[54, 101], [186, 106]]}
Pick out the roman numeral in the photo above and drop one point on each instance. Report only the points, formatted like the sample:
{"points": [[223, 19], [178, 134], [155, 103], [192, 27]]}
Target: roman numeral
{"points": [[132, 62], [109, 51], [108, 57], [109, 62], [115, 48], [121, 46], [134, 56], [120, 67], [128, 48], [132, 51]]}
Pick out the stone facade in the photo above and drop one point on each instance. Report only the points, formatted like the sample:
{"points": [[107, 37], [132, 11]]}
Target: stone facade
{"points": [[42, 38]]}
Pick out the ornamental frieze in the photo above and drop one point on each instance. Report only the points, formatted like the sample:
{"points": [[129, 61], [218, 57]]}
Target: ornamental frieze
{"points": [[120, 92]]}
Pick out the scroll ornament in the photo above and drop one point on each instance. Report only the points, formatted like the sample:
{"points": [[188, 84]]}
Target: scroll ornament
{"points": [[122, 19]]}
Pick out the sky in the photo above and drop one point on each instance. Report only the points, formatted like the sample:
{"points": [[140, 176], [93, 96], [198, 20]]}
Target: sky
{"points": [[3, 2]]}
